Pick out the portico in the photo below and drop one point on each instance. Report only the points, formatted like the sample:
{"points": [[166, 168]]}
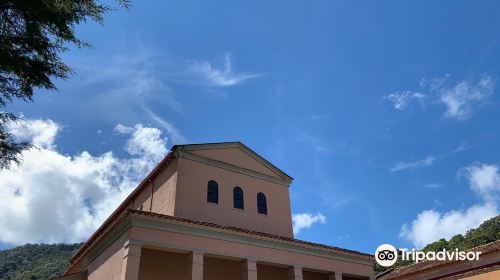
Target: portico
{"points": [[164, 247]]}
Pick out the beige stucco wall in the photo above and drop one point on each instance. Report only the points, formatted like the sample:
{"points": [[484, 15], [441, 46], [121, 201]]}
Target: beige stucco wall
{"points": [[309, 275], [165, 190], [143, 199], [192, 203], [219, 269], [266, 272], [108, 264], [161, 265], [160, 191]]}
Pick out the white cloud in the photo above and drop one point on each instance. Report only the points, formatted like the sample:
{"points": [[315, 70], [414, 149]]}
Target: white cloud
{"points": [[484, 179], [219, 77], [461, 99], [411, 165], [306, 220], [431, 225], [53, 197], [402, 99], [144, 141], [123, 129], [40, 133]]}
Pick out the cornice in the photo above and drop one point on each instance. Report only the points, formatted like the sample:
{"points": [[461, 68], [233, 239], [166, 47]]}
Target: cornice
{"points": [[199, 231]]}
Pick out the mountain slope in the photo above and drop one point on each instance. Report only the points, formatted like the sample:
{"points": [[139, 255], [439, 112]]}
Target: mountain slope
{"points": [[35, 261]]}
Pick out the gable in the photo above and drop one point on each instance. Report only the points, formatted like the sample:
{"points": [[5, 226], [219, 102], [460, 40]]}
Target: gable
{"points": [[237, 154]]}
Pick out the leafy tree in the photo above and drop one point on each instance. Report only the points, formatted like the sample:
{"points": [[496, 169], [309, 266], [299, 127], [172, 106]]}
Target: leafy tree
{"points": [[33, 35], [436, 246], [457, 241], [36, 262]]}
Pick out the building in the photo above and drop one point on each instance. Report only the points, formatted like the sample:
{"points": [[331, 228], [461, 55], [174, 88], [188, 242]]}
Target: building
{"points": [[486, 268], [210, 211]]}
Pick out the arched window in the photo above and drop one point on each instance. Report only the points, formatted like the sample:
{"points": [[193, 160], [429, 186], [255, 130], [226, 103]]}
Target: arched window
{"points": [[261, 203], [213, 192], [238, 198]]}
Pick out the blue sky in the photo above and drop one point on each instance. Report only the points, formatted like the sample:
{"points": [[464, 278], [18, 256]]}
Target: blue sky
{"points": [[385, 113]]}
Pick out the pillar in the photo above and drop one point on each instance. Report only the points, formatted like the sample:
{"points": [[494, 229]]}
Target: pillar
{"points": [[335, 276], [249, 269], [295, 273], [131, 261], [196, 265]]}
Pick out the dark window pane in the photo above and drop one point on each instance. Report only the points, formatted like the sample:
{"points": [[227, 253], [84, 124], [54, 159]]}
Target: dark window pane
{"points": [[261, 203], [212, 192], [238, 198]]}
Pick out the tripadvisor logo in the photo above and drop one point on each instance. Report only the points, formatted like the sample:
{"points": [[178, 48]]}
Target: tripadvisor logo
{"points": [[387, 255]]}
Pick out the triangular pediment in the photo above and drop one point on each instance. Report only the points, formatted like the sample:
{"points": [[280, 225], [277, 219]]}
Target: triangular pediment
{"points": [[235, 154]]}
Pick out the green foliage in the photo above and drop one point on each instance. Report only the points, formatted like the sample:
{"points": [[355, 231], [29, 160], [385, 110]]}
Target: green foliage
{"points": [[487, 232], [10, 150], [35, 261], [33, 35]]}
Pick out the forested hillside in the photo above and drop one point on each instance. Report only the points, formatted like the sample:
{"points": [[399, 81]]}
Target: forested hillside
{"points": [[487, 232], [35, 261]]}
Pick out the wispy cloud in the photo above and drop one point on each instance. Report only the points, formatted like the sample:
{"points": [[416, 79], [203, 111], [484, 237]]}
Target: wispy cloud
{"points": [[402, 99], [306, 220], [309, 139], [172, 131], [432, 185], [411, 165], [464, 146], [222, 76], [431, 225], [120, 85], [460, 99]]}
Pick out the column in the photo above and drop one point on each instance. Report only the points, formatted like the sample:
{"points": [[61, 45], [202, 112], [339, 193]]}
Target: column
{"points": [[131, 261], [196, 265], [335, 276], [249, 269], [295, 273]]}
